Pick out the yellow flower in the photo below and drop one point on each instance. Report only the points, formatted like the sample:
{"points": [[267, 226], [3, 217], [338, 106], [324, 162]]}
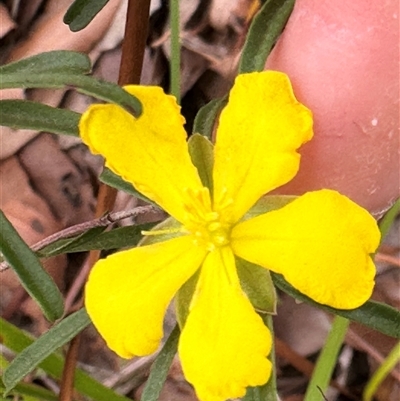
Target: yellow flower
{"points": [[321, 242]]}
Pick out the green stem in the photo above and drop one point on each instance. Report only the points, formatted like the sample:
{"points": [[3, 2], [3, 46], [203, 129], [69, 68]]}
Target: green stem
{"points": [[327, 360], [271, 393], [175, 63], [380, 374]]}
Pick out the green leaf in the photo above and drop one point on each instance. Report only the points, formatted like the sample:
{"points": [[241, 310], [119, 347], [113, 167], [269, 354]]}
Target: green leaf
{"points": [[26, 265], [201, 153], [68, 245], [386, 223], [375, 315], [268, 203], [260, 393], [206, 116], [24, 114], [26, 361], [30, 390], [184, 297], [81, 12], [117, 238], [264, 31], [160, 368], [59, 61], [88, 85], [257, 284], [17, 340], [115, 181]]}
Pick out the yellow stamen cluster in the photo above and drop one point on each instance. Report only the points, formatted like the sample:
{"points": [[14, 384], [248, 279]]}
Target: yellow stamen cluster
{"points": [[203, 223]]}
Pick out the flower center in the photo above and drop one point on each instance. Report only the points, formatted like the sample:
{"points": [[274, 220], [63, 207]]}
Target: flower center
{"points": [[206, 226], [211, 234]]}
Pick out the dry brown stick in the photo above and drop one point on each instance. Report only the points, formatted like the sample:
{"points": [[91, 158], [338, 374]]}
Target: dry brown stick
{"points": [[133, 47], [383, 257]]}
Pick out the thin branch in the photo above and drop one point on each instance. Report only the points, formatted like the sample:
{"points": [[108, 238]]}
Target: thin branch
{"points": [[383, 257], [133, 47]]}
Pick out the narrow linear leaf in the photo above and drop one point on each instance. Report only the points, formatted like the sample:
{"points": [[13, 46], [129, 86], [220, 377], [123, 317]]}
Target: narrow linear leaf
{"points": [[32, 356], [66, 245], [260, 393], [184, 297], [386, 223], [160, 368], [268, 203], [117, 238], [256, 282], [26, 265], [264, 31], [17, 340], [82, 83], [50, 62], [376, 315], [205, 118], [115, 181], [81, 12], [24, 114], [25, 389], [30, 390], [202, 155]]}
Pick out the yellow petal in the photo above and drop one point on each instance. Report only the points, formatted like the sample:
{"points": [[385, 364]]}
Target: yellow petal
{"points": [[321, 243], [128, 292], [150, 152], [224, 344], [258, 134]]}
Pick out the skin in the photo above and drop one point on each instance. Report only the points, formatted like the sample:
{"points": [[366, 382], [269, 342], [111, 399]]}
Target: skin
{"points": [[343, 60]]}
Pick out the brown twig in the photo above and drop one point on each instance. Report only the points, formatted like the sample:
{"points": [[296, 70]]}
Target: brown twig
{"points": [[133, 47], [383, 257]]}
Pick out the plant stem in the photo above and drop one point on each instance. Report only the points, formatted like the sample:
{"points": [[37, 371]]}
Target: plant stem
{"points": [[327, 360], [175, 63]]}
